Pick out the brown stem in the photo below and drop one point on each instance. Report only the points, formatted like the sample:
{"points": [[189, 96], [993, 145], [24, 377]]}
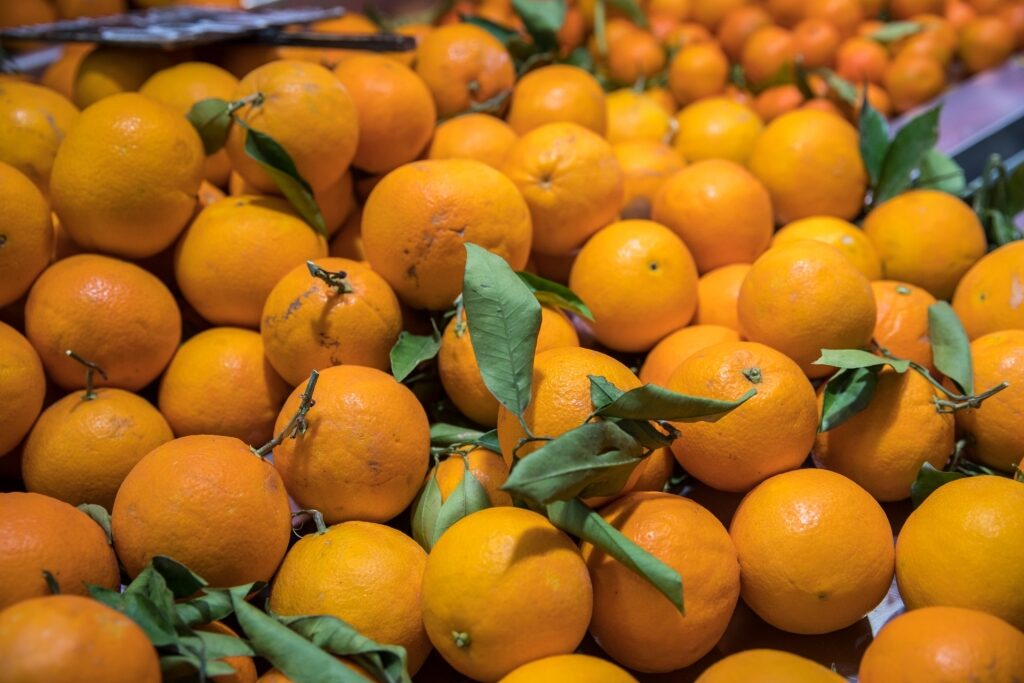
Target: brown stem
{"points": [[334, 279], [297, 425], [303, 516], [90, 370]]}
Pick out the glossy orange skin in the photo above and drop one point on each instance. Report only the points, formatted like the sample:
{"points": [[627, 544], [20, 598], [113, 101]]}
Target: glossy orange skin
{"points": [[817, 40], [717, 128], [108, 70], [557, 93], [633, 622], [222, 511], [482, 137], [573, 668], [862, 59], [901, 320], [767, 52], [988, 297], [44, 534], [773, 102], [486, 466], [913, 80], [463, 64], [364, 454], [718, 291], [22, 387], [669, 353], [636, 116], [815, 551], [698, 71], [33, 123], [28, 235], [844, 236], [997, 357], [636, 56], [767, 666], [71, 638]]}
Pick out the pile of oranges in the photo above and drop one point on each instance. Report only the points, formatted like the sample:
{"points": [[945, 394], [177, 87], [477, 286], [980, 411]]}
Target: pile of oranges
{"points": [[588, 318]]}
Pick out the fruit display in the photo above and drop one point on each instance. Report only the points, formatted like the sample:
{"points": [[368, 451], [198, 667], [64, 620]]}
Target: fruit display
{"points": [[590, 341]]}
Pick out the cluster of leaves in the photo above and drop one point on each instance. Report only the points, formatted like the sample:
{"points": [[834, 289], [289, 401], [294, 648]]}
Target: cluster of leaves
{"points": [[998, 199]]}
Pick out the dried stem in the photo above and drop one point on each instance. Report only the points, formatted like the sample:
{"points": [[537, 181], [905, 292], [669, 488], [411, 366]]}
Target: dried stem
{"points": [[334, 279], [297, 425], [90, 370]]}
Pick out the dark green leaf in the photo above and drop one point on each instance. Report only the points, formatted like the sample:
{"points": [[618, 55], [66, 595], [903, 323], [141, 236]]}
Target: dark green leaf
{"points": [[846, 393], [1014, 192], [574, 517], [468, 497], [874, 139], [631, 9], [220, 645], [553, 294], [110, 598], [582, 58], [504, 34], [542, 19], [212, 121], [412, 349], [856, 358], [905, 154], [894, 30], [800, 79], [737, 76], [153, 619], [1000, 229], [184, 667], [939, 172], [386, 663], [503, 318], [951, 349], [928, 479], [651, 402], [212, 605], [489, 440], [840, 86], [98, 514], [595, 459], [275, 160], [602, 392], [424, 513], [444, 434], [646, 434], [296, 657]]}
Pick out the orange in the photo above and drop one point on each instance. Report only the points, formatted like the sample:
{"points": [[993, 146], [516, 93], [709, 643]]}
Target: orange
{"points": [[985, 43], [773, 102], [348, 23], [633, 622], [71, 638], [182, 86], [108, 311], [877, 97], [368, 575], [652, 474], [686, 34], [769, 54], [844, 236], [483, 607], [905, 9], [60, 75], [717, 128], [926, 44], [710, 12], [22, 387], [804, 296], [635, 57], [571, 181], [737, 25], [82, 448], [669, 353], [786, 12], [815, 551], [964, 547], [348, 242], [913, 80], [989, 295], [107, 70], [883, 447], [862, 59], [997, 440], [27, 240], [125, 178], [242, 393], [27, 12], [1013, 14], [71, 9], [677, 9], [44, 534], [309, 324], [463, 65], [817, 41], [573, 32], [767, 666], [901, 320], [945, 645], [569, 669], [419, 217], [215, 258], [336, 202], [645, 167], [560, 393], [720, 210], [460, 373], [556, 94], [396, 111], [486, 466], [481, 137], [640, 281], [845, 15], [33, 122], [635, 115], [307, 110], [698, 71], [810, 162], [221, 510], [926, 222], [732, 453], [364, 454], [718, 291]]}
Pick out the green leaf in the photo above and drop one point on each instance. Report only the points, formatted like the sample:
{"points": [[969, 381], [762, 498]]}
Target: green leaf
{"points": [[444, 434], [840, 86], [385, 662], [110, 598], [504, 34], [212, 605], [489, 440], [412, 349], [296, 657], [184, 667], [737, 76], [1001, 229], [1014, 192], [553, 294], [542, 19], [503, 318], [275, 160], [894, 30], [939, 172], [646, 434], [594, 459], [220, 645], [851, 359], [951, 348], [212, 120], [98, 514], [182, 581], [154, 619], [424, 513], [905, 154], [846, 393], [582, 58], [874, 138], [651, 402], [928, 479], [468, 497], [602, 392], [632, 11], [575, 518]]}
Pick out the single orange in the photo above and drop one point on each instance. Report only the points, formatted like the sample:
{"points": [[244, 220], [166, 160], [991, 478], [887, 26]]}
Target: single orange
{"points": [[769, 54], [718, 291], [698, 71], [913, 80], [901, 320], [766, 666], [817, 40], [668, 354], [486, 466], [985, 43], [844, 236], [463, 64], [645, 167], [995, 439], [717, 128], [557, 93], [773, 102], [710, 13], [573, 668], [22, 387], [988, 297], [634, 115], [845, 15], [33, 123], [635, 57], [28, 234], [482, 137], [862, 59], [737, 26]]}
